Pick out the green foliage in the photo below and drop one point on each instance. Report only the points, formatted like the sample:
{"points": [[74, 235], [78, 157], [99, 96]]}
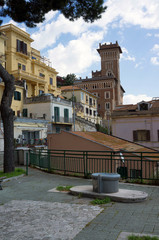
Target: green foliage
{"points": [[133, 237], [69, 79], [101, 201], [33, 11], [101, 129], [64, 188], [17, 172]]}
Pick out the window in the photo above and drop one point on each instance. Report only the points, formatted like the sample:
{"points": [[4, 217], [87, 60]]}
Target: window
{"points": [[143, 106], [25, 112], [94, 102], [41, 92], [98, 106], [94, 113], [20, 66], [141, 135], [107, 105], [86, 98], [57, 114], [17, 95], [90, 101], [107, 95], [66, 115], [21, 47], [57, 129], [33, 57], [90, 112], [42, 75], [86, 110], [23, 67], [82, 96], [51, 81], [67, 128]]}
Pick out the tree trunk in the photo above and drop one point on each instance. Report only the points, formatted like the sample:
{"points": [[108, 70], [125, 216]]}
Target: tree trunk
{"points": [[7, 118]]}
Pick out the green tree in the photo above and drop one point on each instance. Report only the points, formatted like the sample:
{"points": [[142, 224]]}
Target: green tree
{"points": [[69, 79], [32, 12]]}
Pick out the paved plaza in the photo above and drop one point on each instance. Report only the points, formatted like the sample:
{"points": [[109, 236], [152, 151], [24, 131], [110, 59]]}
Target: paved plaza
{"points": [[29, 210]]}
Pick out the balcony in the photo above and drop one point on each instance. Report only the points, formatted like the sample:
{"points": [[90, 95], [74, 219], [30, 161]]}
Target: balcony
{"points": [[62, 120], [22, 54], [20, 74]]}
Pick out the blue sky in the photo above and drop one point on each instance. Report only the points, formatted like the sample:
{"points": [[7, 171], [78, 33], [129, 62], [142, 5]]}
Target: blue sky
{"points": [[71, 46]]}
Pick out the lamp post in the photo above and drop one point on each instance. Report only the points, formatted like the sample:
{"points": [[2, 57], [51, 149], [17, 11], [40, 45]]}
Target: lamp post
{"points": [[73, 108]]}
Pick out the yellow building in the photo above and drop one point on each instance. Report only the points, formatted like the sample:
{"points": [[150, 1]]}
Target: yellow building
{"points": [[85, 102], [33, 73]]}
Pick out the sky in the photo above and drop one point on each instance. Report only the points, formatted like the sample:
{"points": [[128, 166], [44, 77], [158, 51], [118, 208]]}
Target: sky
{"points": [[71, 46]]}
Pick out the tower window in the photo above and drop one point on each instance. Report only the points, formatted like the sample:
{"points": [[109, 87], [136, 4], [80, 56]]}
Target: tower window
{"points": [[107, 105], [107, 95]]}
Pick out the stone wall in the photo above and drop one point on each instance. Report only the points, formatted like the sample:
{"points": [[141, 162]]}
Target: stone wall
{"points": [[83, 125]]}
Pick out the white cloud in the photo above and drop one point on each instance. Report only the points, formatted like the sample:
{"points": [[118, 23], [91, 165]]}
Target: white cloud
{"points": [[78, 55], [50, 32], [157, 35], [149, 35], [126, 56], [156, 48], [133, 99], [155, 61]]}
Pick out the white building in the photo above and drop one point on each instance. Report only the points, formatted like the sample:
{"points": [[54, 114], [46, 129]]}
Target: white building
{"points": [[138, 123], [56, 110]]}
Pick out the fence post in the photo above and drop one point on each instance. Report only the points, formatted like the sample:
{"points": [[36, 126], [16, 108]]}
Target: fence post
{"points": [[49, 169], [141, 167], [86, 168], [84, 164], [39, 158], [111, 162], [64, 162], [27, 163]]}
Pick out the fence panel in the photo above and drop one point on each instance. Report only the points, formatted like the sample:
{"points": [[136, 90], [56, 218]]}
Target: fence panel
{"points": [[130, 165]]}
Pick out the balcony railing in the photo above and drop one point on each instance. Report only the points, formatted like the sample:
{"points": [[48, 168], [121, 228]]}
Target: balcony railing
{"points": [[62, 120]]}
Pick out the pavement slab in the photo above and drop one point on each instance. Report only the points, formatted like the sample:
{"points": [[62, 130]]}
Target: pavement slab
{"points": [[37, 206], [42, 220]]}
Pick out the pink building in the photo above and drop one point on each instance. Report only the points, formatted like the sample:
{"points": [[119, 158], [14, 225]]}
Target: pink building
{"points": [[138, 123]]}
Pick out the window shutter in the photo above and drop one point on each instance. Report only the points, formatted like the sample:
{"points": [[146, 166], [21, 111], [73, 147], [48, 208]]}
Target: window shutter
{"points": [[135, 136], [56, 114], [25, 112], [65, 115], [148, 135], [18, 45]]}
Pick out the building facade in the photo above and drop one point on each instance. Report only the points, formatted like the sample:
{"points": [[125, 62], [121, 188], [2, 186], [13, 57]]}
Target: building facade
{"points": [[32, 72], [105, 84], [33, 76], [56, 110], [84, 101], [138, 123]]}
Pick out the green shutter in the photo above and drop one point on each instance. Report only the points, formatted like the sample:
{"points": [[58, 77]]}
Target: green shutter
{"points": [[25, 112], [66, 115], [56, 114]]}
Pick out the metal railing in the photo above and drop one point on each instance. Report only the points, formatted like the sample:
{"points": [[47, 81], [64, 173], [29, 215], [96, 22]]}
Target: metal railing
{"points": [[130, 165]]}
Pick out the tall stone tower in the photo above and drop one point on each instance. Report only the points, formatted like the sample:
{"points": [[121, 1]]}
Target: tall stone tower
{"points": [[106, 83]]}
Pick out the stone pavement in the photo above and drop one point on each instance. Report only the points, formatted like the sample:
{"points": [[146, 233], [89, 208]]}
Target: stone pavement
{"points": [[29, 211]]}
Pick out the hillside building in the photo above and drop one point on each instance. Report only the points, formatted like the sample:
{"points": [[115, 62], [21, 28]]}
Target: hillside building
{"points": [[138, 123], [105, 84]]}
